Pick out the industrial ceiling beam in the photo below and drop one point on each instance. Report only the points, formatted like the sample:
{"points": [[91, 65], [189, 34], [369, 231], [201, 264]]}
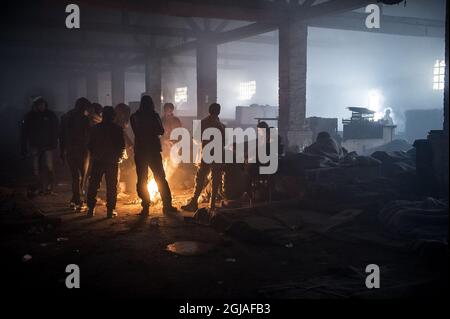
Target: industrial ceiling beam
{"points": [[300, 13], [28, 23], [354, 21]]}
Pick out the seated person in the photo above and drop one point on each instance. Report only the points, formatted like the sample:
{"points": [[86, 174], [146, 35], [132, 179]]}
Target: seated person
{"points": [[325, 146]]}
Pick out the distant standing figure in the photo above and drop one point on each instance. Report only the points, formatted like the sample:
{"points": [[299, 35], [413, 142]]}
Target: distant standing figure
{"points": [[106, 147], [74, 137], [170, 122], [325, 146], [39, 135], [387, 119], [147, 128]]}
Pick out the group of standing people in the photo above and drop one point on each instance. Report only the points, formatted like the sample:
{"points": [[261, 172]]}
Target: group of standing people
{"points": [[93, 142]]}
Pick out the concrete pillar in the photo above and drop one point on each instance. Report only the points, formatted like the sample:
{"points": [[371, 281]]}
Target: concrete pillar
{"points": [[206, 77], [153, 80], [92, 86], [168, 93], [293, 36], [117, 85]]}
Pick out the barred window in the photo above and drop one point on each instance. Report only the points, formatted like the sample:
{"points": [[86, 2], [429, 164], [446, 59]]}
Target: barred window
{"points": [[439, 75], [181, 95], [247, 90]]}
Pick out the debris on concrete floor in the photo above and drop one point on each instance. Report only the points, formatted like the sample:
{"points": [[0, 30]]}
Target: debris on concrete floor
{"points": [[189, 248]]}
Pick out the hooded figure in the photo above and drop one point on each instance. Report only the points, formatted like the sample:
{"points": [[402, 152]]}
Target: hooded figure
{"points": [[39, 135], [74, 136], [147, 129], [106, 146], [325, 146], [169, 120]]}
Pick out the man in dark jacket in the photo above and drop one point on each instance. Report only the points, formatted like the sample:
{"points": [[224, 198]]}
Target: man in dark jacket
{"points": [[106, 147], [147, 128], [211, 121], [39, 135], [74, 137]]}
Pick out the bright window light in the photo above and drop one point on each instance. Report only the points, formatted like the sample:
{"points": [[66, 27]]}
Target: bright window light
{"points": [[247, 90], [376, 101], [180, 95], [439, 75]]}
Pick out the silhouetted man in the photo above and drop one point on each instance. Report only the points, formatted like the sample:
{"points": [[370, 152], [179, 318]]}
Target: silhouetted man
{"points": [[211, 121], [169, 120], [74, 137], [147, 128], [39, 135], [106, 147]]}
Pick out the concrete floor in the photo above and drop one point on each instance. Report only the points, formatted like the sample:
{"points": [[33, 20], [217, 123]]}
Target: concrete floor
{"points": [[127, 256]]}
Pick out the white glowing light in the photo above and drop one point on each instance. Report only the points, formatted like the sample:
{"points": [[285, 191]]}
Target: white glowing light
{"points": [[247, 90], [439, 75], [181, 95], [376, 100]]}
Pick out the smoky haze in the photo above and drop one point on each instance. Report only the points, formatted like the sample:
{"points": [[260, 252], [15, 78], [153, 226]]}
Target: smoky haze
{"points": [[344, 69]]}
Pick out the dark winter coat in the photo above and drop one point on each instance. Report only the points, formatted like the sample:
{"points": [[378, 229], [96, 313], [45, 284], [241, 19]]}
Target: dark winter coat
{"points": [[106, 143], [147, 129]]}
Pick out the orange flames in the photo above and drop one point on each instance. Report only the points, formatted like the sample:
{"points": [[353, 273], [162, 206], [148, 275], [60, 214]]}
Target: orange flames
{"points": [[152, 187]]}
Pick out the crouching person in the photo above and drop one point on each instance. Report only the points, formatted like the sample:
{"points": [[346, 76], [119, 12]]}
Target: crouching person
{"points": [[106, 146]]}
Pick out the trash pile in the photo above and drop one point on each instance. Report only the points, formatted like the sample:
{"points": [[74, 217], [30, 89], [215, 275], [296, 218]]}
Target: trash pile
{"points": [[298, 164]]}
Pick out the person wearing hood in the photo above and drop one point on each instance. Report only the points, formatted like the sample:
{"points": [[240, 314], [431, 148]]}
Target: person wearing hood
{"points": [[74, 136], [39, 136], [170, 122], [148, 129], [325, 146], [106, 146]]}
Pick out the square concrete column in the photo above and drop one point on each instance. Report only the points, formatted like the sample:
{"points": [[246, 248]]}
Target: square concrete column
{"points": [[206, 77], [92, 86], [153, 80], [117, 85], [293, 36]]}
